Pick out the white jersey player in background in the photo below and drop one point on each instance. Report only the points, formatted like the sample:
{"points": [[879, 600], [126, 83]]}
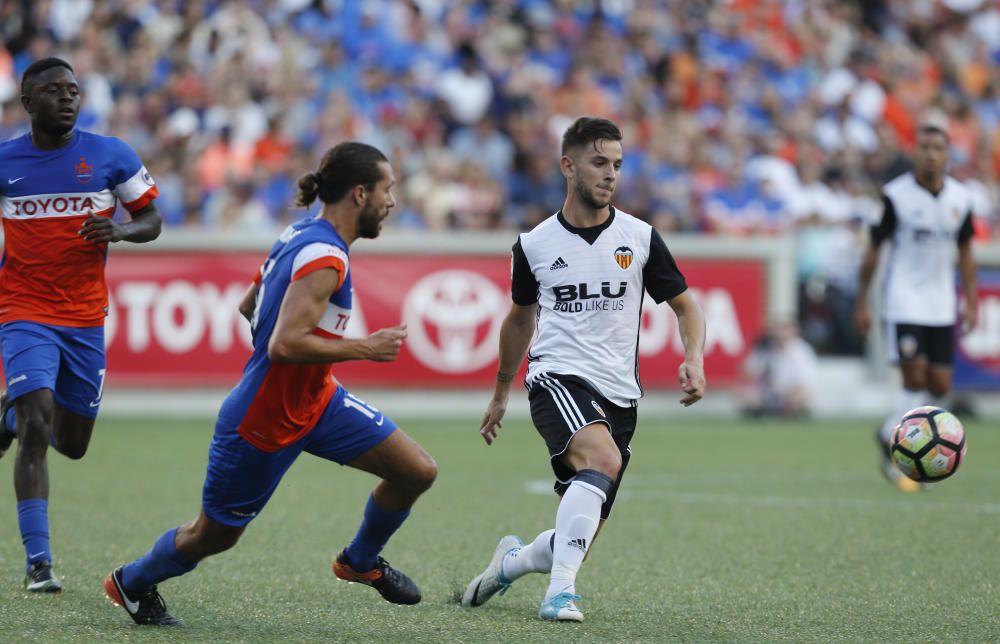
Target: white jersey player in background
{"points": [[580, 277], [927, 219]]}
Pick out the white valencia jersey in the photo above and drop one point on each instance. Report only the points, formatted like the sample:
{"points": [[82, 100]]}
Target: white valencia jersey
{"points": [[925, 231], [589, 285]]}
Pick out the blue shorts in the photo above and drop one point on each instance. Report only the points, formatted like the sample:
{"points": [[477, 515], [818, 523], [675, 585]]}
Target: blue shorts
{"points": [[241, 478], [67, 360]]}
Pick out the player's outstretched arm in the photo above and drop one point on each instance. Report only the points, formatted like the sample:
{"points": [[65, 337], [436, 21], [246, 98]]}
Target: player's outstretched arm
{"points": [[691, 324], [515, 336], [304, 303], [145, 226]]}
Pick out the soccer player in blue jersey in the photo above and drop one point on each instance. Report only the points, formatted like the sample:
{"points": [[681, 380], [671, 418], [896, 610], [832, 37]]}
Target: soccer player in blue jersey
{"points": [[289, 402], [59, 187]]}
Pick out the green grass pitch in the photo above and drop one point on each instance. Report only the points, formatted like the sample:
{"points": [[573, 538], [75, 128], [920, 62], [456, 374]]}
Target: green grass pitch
{"points": [[724, 531]]}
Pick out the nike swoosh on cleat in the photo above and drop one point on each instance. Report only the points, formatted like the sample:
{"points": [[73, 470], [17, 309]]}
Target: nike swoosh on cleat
{"points": [[13, 181], [475, 593], [131, 606]]}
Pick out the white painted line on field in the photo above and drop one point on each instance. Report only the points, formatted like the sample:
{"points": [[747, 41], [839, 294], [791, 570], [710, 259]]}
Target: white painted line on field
{"points": [[806, 501], [774, 500]]}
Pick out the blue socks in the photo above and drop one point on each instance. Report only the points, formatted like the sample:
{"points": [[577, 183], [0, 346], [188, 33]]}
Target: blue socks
{"points": [[160, 563], [377, 526], [33, 520]]}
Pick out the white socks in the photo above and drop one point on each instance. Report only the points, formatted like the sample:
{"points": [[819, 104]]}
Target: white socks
{"points": [[534, 557], [905, 401], [576, 523]]}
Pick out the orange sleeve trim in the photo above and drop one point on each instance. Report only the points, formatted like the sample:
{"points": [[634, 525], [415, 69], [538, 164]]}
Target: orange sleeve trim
{"points": [[141, 202], [328, 261], [107, 212]]}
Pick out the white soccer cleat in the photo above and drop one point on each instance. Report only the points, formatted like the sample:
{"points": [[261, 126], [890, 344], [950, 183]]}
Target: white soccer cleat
{"points": [[492, 580], [561, 608]]}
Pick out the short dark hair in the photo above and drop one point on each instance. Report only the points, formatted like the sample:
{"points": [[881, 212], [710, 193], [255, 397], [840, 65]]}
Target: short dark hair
{"points": [[927, 128], [39, 66], [343, 167], [588, 129]]}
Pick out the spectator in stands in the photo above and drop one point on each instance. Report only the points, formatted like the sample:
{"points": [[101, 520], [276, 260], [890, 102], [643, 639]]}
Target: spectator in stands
{"points": [[781, 374], [826, 83]]}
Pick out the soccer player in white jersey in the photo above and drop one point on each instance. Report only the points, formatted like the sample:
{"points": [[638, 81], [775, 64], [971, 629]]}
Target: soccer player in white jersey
{"points": [[927, 218], [579, 278]]}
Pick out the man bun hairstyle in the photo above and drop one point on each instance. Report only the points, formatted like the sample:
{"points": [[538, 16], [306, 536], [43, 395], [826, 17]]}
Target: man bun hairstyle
{"points": [[36, 68], [308, 189], [589, 130], [343, 167]]}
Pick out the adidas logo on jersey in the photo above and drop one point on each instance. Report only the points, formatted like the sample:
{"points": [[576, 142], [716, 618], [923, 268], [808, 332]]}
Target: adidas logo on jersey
{"points": [[559, 263]]}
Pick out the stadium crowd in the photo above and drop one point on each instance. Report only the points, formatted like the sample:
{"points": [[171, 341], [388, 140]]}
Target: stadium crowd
{"points": [[742, 117]]}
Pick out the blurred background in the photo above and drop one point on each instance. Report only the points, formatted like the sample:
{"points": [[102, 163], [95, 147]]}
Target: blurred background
{"points": [[758, 135]]}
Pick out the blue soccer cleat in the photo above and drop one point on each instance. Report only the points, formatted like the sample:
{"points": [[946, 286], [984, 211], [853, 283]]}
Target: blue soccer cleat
{"points": [[561, 608]]}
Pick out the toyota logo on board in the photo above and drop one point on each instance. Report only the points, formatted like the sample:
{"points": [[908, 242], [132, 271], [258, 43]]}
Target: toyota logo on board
{"points": [[453, 318]]}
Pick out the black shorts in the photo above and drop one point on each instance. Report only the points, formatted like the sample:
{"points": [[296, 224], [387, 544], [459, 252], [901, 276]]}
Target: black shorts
{"points": [[912, 341], [561, 406]]}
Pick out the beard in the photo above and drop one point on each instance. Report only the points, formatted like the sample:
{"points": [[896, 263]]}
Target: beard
{"points": [[587, 197], [369, 222]]}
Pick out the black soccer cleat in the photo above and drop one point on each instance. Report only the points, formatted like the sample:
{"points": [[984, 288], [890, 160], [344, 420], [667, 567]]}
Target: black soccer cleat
{"points": [[6, 437], [394, 586], [146, 609], [41, 580]]}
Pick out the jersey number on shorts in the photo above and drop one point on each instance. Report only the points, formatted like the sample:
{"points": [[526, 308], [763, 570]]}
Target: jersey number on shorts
{"points": [[363, 407], [100, 389]]}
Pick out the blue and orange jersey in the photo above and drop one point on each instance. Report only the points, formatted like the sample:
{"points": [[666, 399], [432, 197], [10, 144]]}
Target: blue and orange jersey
{"points": [[276, 404], [49, 273]]}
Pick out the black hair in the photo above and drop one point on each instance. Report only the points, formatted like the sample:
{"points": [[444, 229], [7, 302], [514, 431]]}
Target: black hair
{"points": [[587, 129], [928, 128], [36, 68], [343, 167]]}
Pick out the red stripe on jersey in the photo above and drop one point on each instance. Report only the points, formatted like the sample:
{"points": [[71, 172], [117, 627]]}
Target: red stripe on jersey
{"points": [[323, 333], [327, 261], [288, 404], [140, 203], [51, 274]]}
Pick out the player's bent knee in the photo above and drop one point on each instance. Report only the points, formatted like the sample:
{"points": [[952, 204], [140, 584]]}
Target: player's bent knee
{"points": [[424, 474], [73, 447], [222, 542], [34, 435], [608, 463], [200, 539], [73, 451], [939, 382], [914, 379]]}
